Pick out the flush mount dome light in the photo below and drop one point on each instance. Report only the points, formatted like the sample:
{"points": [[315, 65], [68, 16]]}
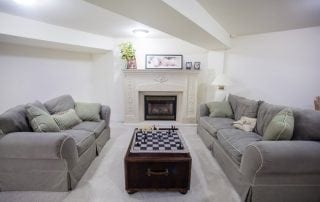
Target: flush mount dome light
{"points": [[25, 2], [140, 32]]}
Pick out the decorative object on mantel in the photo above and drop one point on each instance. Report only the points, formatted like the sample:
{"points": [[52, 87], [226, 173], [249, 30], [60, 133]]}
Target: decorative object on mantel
{"points": [[158, 61], [188, 65], [128, 54], [196, 65], [221, 81], [317, 103]]}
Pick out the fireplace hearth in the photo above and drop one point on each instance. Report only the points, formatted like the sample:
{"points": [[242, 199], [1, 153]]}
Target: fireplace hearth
{"points": [[160, 107]]}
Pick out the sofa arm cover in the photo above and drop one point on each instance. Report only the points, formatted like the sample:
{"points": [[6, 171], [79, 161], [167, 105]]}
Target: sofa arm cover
{"points": [[33, 145], [281, 157], [105, 114]]}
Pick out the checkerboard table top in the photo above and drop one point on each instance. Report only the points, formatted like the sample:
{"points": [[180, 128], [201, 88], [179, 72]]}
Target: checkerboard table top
{"points": [[162, 140]]}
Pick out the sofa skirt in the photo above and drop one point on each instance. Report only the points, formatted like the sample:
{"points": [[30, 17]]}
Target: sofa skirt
{"points": [[33, 175]]}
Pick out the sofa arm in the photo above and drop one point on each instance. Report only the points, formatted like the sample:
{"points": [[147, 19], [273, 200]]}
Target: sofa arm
{"points": [[33, 145], [280, 157], [203, 110], [105, 114]]}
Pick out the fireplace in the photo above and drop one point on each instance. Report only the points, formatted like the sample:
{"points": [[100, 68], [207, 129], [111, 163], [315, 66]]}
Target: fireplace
{"points": [[158, 107]]}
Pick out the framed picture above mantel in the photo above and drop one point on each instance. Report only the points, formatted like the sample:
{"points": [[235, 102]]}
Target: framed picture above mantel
{"points": [[163, 61]]}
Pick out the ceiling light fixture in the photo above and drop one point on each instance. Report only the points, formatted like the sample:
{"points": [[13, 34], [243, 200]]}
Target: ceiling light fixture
{"points": [[25, 2], [140, 32]]}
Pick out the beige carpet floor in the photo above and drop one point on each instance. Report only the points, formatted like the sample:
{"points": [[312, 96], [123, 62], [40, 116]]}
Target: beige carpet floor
{"points": [[104, 180]]}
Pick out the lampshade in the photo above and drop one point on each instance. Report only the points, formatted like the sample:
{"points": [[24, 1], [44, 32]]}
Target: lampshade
{"points": [[221, 81]]}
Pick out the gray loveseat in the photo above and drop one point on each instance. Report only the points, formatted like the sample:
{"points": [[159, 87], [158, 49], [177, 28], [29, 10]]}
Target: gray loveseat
{"points": [[51, 161], [264, 171]]}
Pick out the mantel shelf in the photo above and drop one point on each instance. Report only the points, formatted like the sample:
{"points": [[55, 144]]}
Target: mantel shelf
{"points": [[152, 71]]}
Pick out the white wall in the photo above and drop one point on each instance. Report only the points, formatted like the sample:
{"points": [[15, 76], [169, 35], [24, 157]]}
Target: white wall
{"points": [[280, 68], [28, 74]]}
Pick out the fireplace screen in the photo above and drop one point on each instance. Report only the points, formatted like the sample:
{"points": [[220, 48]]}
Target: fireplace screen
{"points": [[160, 107]]}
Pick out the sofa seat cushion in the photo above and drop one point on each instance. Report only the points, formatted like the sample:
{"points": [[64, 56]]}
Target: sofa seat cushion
{"points": [[91, 126], [234, 142], [212, 125], [84, 139]]}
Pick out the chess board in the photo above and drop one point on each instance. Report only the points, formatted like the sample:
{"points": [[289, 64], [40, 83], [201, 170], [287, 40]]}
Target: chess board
{"points": [[165, 140]]}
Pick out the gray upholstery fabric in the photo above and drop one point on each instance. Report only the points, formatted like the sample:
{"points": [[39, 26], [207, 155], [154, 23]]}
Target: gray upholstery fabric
{"points": [[83, 139], [15, 120], [234, 142], [95, 127], [271, 170], [83, 164], [306, 125], [32, 145], [212, 125], [31, 161], [231, 169], [102, 139], [206, 137], [39, 105], [33, 175], [265, 114], [203, 110], [60, 104], [278, 157], [105, 113], [243, 107]]}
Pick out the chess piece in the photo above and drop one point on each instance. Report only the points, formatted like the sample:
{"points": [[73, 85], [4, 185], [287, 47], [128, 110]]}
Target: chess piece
{"points": [[137, 144], [180, 146]]}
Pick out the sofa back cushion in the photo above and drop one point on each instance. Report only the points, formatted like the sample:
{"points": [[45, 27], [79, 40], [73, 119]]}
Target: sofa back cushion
{"points": [[15, 120], [243, 107], [60, 104], [266, 113], [39, 105], [306, 125]]}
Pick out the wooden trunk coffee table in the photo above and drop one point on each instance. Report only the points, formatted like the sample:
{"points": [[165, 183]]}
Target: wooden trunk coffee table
{"points": [[157, 160]]}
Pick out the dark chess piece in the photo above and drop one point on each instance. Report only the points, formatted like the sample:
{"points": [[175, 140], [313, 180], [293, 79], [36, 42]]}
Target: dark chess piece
{"points": [[154, 127], [180, 146], [137, 144]]}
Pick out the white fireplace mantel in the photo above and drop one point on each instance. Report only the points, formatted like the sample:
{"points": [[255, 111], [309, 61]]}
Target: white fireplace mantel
{"points": [[183, 83]]}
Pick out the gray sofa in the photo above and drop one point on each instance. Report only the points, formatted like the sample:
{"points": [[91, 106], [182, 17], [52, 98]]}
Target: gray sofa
{"points": [[265, 171], [52, 161]]}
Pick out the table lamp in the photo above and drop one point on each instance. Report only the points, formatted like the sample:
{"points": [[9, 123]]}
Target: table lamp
{"points": [[221, 81]]}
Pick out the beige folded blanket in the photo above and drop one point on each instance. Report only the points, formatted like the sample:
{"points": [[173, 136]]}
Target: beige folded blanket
{"points": [[245, 123]]}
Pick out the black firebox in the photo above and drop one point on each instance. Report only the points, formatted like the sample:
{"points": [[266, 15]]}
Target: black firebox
{"points": [[158, 107]]}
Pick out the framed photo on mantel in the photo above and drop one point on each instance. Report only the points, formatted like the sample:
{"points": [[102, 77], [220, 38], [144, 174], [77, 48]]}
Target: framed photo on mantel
{"points": [[164, 61]]}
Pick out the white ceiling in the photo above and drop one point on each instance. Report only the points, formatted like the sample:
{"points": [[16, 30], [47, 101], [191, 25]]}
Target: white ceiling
{"points": [[244, 17], [80, 15], [237, 17]]}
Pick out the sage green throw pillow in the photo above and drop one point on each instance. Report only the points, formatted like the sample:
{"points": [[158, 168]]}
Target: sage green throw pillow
{"points": [[40, 120], [220, 109], [66, 119], [88, 111], [281, 126]]}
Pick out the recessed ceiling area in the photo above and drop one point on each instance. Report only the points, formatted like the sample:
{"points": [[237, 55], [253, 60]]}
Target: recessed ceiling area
{"points": [[80, 15], [245, 17]]}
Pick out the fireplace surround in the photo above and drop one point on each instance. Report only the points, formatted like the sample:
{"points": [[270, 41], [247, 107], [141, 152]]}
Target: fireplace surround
{"points": [[180, 83]]}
